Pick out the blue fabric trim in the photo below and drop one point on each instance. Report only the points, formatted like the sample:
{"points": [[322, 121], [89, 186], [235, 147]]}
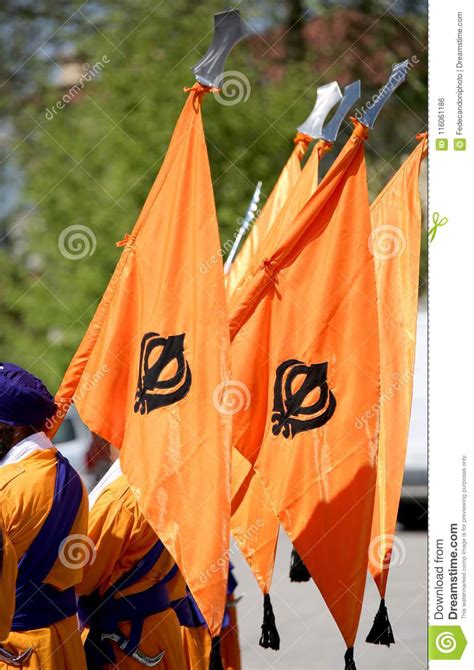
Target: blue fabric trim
{"points": [[39, 605], [104, 613]]}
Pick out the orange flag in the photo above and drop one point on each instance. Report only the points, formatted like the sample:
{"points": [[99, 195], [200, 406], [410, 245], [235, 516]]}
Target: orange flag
{"points": [[305, 333], [395, 244], [148, 373], [305, 185], [254, 523], [262, 226]]}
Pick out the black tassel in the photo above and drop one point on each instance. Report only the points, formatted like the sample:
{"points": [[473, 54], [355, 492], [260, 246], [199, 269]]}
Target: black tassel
{"points": [[298, 570], [215, 662], [349, 659], [269, 638], [381, 631]]}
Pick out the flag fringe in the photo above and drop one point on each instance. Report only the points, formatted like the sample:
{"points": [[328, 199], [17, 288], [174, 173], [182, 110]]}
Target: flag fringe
{"points": [[349, 659], [215, 661], [381, 631], [270, 639], [298, 570]]}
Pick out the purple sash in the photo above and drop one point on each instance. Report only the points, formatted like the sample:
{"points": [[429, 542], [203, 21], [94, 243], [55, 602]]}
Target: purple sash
{"points": [[103, 613], [187, 609], [39, 605]]}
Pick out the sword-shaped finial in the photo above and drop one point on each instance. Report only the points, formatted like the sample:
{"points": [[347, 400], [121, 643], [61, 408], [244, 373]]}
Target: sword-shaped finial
{"points": [[326, 97], [228, 31], [351, 95], [397, 77]]}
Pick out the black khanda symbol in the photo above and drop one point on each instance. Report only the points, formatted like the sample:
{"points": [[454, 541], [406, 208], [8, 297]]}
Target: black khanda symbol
{"points": [[154, 388], [290, 416]]}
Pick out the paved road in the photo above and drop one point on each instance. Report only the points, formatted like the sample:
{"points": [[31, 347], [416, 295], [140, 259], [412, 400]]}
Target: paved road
{"points": [[309, 637]]}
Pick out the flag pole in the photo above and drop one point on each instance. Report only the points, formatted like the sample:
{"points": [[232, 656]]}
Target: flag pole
{"points": [[245, 225], [209, 71]]}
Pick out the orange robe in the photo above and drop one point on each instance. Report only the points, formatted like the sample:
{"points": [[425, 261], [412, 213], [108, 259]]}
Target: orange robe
{"points": [[197, 643], [26, 495], [197, 647], [122, 537], [197, 640], [230, 648], [8, 570]]}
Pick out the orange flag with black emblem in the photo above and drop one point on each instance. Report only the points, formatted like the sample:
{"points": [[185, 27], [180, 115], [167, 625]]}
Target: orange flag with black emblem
{"points": [[272, 207], [305, 343], [148, 373], [395, 244], [254, 523]]}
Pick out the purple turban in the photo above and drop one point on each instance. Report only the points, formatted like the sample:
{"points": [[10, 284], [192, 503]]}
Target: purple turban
{"points": [[24, 399]]}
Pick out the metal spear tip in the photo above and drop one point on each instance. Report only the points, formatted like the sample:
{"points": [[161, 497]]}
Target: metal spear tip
{"points": [[374, 107], [351, 95], [326, 97], [228, 31]]}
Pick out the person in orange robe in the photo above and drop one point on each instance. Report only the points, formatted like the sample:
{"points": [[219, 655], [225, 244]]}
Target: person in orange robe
{"points": [[197, 638], [230, 647], [8, 572], [43, 511], [194, 632], [124, 591], [197, 647]]}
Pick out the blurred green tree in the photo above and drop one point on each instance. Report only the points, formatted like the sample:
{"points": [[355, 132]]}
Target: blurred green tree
{"points": [[92, 162]]}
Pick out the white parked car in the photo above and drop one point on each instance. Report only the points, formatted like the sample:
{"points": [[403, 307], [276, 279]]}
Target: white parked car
{"points": [[73, 440], [413, 511]]}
